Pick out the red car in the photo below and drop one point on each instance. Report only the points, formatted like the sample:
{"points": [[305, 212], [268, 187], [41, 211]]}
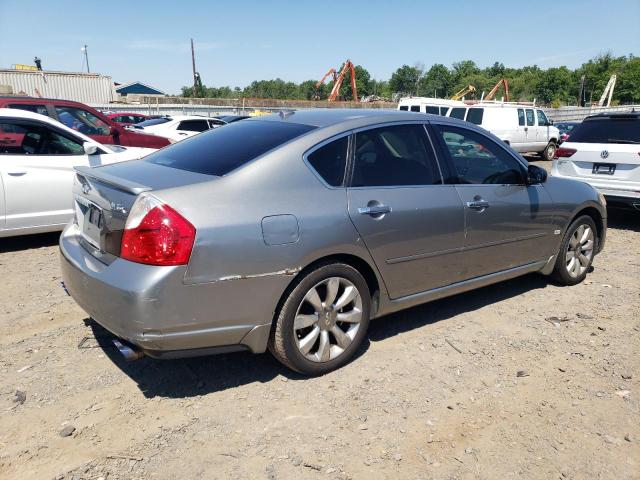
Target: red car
{"points": [[84, 119], [127, 118]]}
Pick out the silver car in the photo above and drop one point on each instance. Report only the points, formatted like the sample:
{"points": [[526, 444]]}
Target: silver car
{"points": [[290, 232]]}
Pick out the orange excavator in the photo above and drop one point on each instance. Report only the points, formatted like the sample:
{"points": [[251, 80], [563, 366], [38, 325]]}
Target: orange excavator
{"points": [[338, 79], [492, 93]]}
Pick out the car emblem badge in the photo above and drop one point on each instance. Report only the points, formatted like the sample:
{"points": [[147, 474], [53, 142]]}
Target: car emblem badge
{"points": [[86, 188], [604, 154]]}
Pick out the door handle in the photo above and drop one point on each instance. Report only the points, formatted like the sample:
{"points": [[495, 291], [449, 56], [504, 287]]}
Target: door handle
{"points": [[374, 210], [478, 204], [17, 174]]}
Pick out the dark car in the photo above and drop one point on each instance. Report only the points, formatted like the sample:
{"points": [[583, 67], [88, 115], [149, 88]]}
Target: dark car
{"points": [[84, 119], [127, 118], [231, 118], [565, 130]]}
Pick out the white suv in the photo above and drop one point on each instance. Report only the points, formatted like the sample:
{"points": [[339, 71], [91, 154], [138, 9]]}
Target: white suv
{"points": [[604, 151], [524, 128]]}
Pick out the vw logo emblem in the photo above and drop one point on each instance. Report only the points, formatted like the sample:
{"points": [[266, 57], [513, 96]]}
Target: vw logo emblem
{"points": [[604, 154], [86, 188]]}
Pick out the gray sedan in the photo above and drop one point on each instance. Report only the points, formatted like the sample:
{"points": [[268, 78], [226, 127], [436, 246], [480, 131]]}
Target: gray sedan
{"points": [[290, 232]]}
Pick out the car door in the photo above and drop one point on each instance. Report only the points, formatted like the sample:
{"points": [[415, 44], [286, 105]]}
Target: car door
{"points": [[507, 222], [37, 176], [411, 222], [530, 144], [518, 142], [542, 130]]}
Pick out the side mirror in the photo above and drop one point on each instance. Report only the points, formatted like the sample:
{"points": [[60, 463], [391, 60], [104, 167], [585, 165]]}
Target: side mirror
{"points": [[113, 131], [90, 148], [536, 175]]}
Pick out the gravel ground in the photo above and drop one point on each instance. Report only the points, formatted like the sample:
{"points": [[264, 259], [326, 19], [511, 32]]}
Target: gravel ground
{"points": [[522, 379]]}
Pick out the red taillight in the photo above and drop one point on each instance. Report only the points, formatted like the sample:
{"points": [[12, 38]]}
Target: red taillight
{"points": [[565, 152], [161, 237]]}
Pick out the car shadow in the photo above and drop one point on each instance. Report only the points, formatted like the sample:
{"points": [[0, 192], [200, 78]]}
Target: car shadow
{"points": [[27, 242], [191, 377], [623, 219]]}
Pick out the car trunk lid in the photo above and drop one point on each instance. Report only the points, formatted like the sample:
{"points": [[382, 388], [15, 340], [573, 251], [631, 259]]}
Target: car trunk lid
{"points": [[103, 198], [610, 161]]}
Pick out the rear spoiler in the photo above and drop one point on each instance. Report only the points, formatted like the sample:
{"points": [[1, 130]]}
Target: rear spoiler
{"points": [[116, 182]]}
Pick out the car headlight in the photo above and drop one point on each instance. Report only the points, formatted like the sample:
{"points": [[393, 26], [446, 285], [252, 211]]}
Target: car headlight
{"points": [[603, 200]]}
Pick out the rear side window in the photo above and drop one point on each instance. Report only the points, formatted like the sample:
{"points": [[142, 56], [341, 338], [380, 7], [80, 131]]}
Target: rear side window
{"points": [[530, 118], [330, 161], [404, 108], [40, 109], [397, 155], [221, 150], [432, 110], [458, 112], [607, 130], [475, 115], [521, 117]]}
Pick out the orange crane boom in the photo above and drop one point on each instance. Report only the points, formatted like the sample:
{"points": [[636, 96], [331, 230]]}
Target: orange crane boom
{"points": [[492, 93], [338, 79]]}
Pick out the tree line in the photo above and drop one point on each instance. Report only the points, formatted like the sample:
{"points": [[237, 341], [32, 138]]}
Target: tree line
{"points": [[553, 86]]}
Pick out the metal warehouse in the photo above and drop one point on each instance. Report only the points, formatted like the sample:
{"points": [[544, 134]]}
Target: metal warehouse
{"points": [[81, 87]]}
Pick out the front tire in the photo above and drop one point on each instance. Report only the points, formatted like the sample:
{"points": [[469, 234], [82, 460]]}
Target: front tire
{"points": [[549, 151], [576, 251], [322, 321]]}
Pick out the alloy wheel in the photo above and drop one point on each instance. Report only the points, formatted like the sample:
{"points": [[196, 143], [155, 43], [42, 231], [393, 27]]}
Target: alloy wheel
{"points": [[328, 319], [580, 250]]}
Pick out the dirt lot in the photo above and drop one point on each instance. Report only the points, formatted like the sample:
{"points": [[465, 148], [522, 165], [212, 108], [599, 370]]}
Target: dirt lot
{"points": [[482, 385]]}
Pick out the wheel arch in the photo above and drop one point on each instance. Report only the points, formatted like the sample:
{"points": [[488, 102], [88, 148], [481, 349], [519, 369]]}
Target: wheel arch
{"points": [[597, 218]]}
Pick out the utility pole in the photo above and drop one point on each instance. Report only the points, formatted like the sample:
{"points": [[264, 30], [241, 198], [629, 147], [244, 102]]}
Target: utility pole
{"points": [[195, 74], [86, 57]]}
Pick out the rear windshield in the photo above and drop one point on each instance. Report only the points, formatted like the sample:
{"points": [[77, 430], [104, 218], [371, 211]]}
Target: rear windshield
{"points": [[221, 150], [153, 121], [607, 130]]}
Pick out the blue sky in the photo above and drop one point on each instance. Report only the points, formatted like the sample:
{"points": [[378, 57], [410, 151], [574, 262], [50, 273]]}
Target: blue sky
{"points": [[239, 41]]}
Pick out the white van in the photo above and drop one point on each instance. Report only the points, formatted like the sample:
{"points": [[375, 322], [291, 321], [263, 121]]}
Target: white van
{"points": [[523, 127], [435, 106]]}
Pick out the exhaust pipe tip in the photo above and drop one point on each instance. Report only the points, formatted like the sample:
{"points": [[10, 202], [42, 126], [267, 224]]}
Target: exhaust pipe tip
{"points": [[129, 353]]}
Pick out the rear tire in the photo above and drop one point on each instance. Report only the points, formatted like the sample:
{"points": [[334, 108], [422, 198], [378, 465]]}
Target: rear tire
{"points": [[323, 320], [549, 151], [577, 250]]}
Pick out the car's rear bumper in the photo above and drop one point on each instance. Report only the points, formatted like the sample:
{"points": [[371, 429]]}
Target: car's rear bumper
{"points": [[151, 308]]}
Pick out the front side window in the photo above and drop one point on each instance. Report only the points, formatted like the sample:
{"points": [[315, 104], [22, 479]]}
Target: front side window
{"points": [[330, 161], [475, 115], [415, 108], [531, 120], [82, 121], [194, 126], [443, 111], [394, 155], [478, 159], [458, 112], [542, 118], [27, 139], [521, 117]]}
